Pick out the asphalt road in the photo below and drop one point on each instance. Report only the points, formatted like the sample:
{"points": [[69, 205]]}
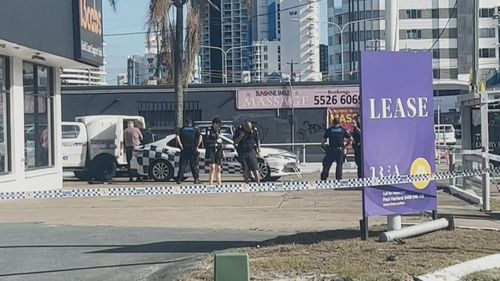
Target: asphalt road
{"points": [[44, 252]]}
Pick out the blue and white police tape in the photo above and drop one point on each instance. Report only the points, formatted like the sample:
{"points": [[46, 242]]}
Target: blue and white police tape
{"points": [[240, 188]]}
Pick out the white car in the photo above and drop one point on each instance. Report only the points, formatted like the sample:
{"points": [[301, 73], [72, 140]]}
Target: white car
{"points": [[160, 161], [445, 134]]}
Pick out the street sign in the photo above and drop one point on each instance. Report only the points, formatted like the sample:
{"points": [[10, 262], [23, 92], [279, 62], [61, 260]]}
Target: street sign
{"points": [[398, 131]]}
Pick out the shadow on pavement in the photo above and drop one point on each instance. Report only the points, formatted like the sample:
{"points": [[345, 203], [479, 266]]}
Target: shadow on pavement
{"points": [[305, 238], [94, 267], [308, 238], [179, 247]]}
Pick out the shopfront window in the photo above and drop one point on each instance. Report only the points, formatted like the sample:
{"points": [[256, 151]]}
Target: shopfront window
{"points": [[4, 116], [38, 106]]}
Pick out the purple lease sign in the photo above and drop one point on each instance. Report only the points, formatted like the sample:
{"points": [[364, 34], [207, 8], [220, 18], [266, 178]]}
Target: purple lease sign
{"points": [[398, 130]]}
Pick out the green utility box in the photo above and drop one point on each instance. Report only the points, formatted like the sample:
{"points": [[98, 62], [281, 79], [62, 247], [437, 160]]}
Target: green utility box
{"points": [[231, 267]]}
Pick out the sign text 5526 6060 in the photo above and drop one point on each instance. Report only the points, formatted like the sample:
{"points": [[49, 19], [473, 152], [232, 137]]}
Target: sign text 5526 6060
{"points": [[335, 98], [298, 97]]}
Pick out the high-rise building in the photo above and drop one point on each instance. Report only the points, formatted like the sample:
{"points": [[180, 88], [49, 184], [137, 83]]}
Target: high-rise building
{"points": [[137, 69], [122, 79], [263, 42], [229, 29], [85, 77], [323, 61], [266, 20], [443, 27], [266, 60], [287, 33], [300, 39]]}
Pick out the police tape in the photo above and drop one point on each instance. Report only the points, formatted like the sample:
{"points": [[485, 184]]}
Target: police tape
{"points": [[241, 188]]}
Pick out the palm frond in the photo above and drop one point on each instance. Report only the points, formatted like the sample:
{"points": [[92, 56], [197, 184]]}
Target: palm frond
{"points": [[113, 3], [195, 18], [213, 5], [157, 12]]}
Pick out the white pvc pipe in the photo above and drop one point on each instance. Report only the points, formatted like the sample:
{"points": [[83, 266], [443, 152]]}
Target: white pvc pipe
{"points": [[414, 230], [394, 222]]}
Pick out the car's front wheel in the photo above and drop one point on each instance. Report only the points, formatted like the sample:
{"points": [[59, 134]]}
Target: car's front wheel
{"points": [[161, 170], [264, 170]]}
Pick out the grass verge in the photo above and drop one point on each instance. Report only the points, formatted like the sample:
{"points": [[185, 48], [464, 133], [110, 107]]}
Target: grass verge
{"points": [[340, 256]]}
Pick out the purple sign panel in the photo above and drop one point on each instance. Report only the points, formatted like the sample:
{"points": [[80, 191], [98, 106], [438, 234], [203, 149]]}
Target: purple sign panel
{"points": [[398, 130]]}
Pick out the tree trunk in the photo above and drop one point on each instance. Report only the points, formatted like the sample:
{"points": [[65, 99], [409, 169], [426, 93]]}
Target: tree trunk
{"points": [[178, 55]]}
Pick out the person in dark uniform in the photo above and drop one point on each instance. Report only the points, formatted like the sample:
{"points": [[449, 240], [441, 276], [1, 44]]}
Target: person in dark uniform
{"points": [[240, 130], [249, 146], [213, 152], [356, 135], [188, 140], [147, 135], [335, 150]]}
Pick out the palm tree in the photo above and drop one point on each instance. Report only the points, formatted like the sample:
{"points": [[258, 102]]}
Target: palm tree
{"points": [[179, 61]]}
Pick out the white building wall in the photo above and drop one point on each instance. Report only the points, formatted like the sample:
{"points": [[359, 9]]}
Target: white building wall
{"points": [[302, 49], [20, 179], [406, 24], [87, 77]]}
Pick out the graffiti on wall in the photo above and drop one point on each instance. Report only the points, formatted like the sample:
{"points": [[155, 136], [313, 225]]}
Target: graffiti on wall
{"points": [[310, 131]]}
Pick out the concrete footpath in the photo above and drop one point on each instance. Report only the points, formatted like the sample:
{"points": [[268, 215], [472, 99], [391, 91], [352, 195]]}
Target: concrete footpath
{"points": [[277, 211]]}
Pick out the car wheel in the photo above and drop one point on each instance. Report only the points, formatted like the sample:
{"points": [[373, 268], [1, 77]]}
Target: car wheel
{"points": [[161, 170], [264, 171], [102, 168]]}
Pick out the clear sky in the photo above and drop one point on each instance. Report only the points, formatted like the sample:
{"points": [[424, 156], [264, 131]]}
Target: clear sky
{"points": [[130, 16]]}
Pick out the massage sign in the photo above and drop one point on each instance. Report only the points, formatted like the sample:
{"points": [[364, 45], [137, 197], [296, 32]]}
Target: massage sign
{"points": [[398, 131]]}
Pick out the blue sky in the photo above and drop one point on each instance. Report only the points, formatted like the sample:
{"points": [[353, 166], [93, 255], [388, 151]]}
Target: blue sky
{"points": [[130, 16]]}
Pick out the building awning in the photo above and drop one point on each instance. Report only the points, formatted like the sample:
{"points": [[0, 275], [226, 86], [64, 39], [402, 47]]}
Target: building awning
{"points": [[15, 50]]}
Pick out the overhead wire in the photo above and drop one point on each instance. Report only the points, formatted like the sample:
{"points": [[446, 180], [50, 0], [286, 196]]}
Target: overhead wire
{"points": [[453, 12]]}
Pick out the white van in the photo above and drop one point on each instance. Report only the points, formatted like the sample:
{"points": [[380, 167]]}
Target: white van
{"points": [[445, 134], [93, 146]]}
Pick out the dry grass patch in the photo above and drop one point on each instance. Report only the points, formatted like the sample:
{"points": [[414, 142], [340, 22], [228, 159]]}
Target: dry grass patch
{"points": [[338, 255]]}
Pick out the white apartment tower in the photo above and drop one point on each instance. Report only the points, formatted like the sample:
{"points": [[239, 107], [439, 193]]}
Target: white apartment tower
{"points": [[300, 39], [443, 27], [287, 35]]}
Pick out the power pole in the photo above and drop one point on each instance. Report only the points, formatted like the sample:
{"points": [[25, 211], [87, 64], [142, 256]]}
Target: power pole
{"points": [[292, 75], [485, 139]]}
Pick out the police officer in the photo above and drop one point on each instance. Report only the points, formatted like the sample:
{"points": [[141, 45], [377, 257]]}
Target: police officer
{"points": [[213, 151], [239, 131], [335, 150], [248, 144], [356, 135], [188, 140]]}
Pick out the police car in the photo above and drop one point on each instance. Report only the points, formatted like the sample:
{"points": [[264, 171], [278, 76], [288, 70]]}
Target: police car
{"points": [[160, 161]]}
